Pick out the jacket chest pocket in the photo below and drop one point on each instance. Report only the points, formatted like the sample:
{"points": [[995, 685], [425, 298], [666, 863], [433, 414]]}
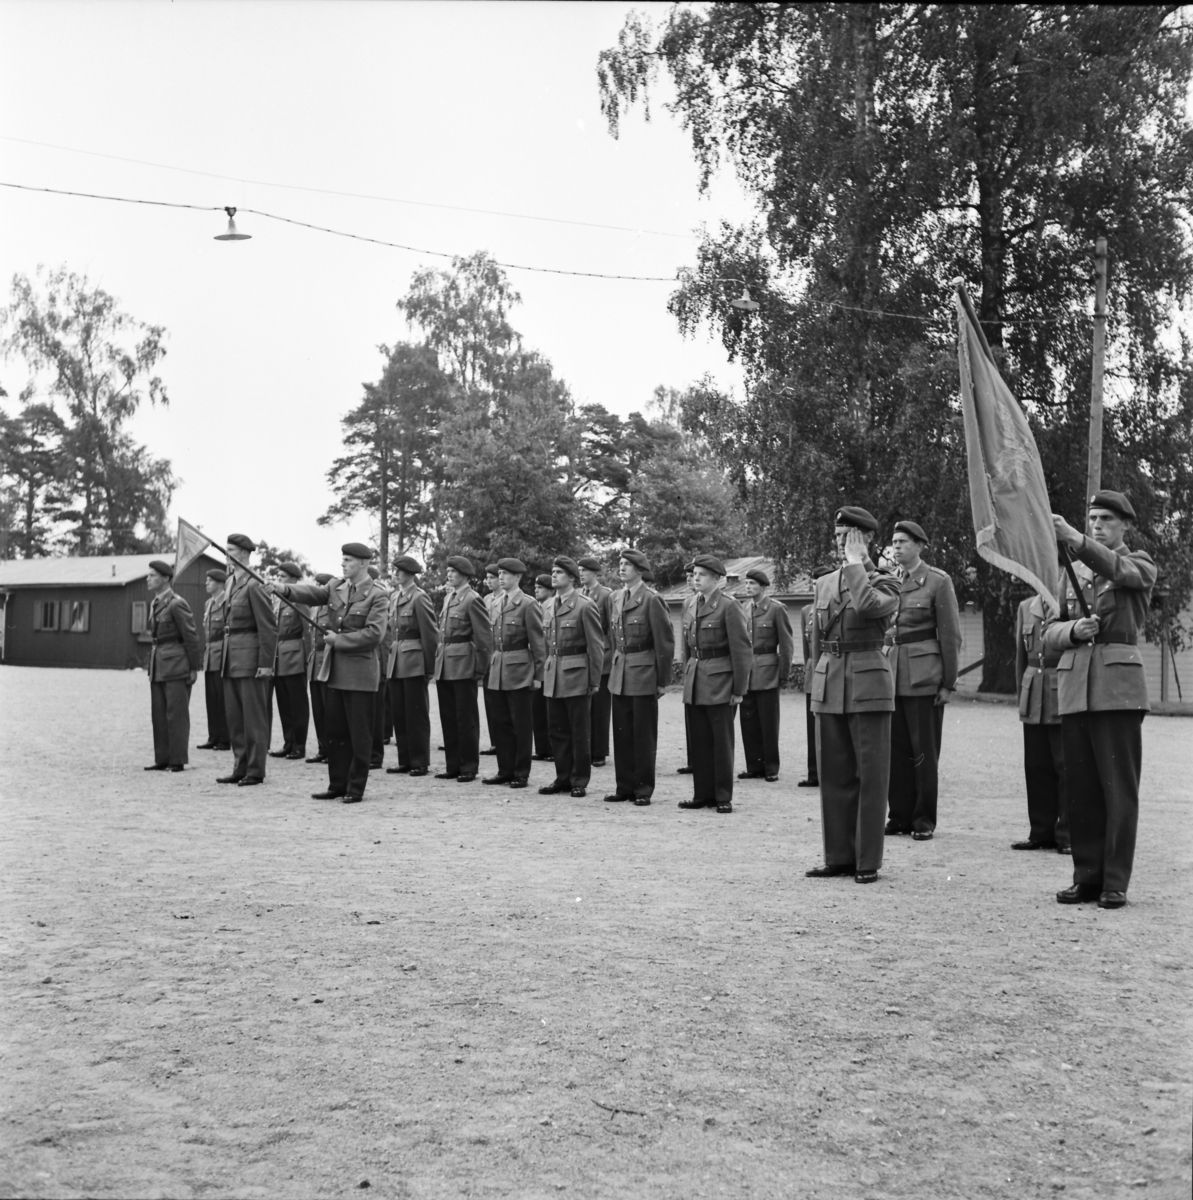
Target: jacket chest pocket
{"points": [[353, 620]]}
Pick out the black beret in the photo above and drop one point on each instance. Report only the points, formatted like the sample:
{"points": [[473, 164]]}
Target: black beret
{"points": [[458, 562], [239, 539], [648, 577], [513, 566], [218, 575], [589, 563], [410, 565], [292, 569], [759, 576], [1115, 501], [570, 565], [543, 581], [324, 577], [636, 558], [912, 530], [162, 568], [374, 573], [491, 569], [356, 550], [710, 563], [688, 568], [857, 517]]}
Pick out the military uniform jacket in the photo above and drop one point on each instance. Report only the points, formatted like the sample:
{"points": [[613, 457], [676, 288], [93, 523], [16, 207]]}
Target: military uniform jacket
{"points": [[602, 597], [643, 643], [317, 644], [1106, 674], [359, 616], [806, 620], [773, 642], [575, 646], [415, 635], [925, 638], [519, 652], [213, 632], [250, 628], [294, 641], [465, 636], [175, 652], [716, 650], [1035, 669], [853, 606]]}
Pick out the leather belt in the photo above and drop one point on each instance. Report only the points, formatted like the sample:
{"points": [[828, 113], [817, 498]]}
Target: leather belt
{"points": [[1114, 639], [410, 642], [838, 647], [289, 637], [916, 635], [638, 649], [457, 640], [697, 652], [242, 629], [523, 646], [1048, 663], [176, 641]]}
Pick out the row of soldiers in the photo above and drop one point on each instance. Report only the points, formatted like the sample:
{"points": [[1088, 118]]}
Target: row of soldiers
{"points": [[882, 662]]}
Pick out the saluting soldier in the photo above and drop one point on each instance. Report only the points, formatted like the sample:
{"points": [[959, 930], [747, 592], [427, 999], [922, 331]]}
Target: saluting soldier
{"points": [[925, 649], [250, 642], [411, 661], [290, 672], [773, 644], [357, 616], [492, 600], [853, 696], [461, 662], [571, 676], [1043, 746], [174, 665], [689, 603], [643, 651], [602, 702], [542, 731], [515, 673], [1103, 698], [318, 689], [716, 659], [213, 651]]}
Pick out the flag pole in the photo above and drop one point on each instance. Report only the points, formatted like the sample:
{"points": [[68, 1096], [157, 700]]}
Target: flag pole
{"points": [[1093, 475], [233, 563], [1067, 555]]}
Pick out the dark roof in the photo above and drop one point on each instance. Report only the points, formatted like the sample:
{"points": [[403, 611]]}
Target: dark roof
{"points": [[112, 570]]}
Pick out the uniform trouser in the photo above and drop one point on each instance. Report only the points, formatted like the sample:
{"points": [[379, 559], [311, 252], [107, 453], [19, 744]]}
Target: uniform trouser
{"points": [[461, 724], [760, 731], [712, 752], [916, 727], [246, 702], [282, 698], [635, 744], [410, 703], [170, 708], [542, 726], [377, 746], [351, 717], [318, 713], [513, 731], [810, 718], [854, 753], [687, 737], [1103, 762], [294, 709], [1044, 772], [600, 711], [571, 739], [488, 696], [217, 719]]}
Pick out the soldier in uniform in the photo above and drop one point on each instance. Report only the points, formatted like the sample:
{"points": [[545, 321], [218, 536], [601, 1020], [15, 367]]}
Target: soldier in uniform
{"points": [[774, 645], [1103, 698], [924, 646], [461, 662], [318, 689], [689, 604], [571, 676], [1043, 748], [411, 661], [515, 673], [173, 667], [643, 651], [492, 599], [290, 672], [542, 731], [812, 779], [853, 696], [213, 649], [382, 715], [602, 703], [250, 642], [717, 660], [357, 616]]}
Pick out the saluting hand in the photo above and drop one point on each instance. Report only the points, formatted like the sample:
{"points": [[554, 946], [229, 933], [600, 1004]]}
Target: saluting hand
{"points": [[855, 546]]}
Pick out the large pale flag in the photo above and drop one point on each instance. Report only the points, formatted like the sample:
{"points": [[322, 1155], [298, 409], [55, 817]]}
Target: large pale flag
{"points": [[1012, 515], [191, 543]]}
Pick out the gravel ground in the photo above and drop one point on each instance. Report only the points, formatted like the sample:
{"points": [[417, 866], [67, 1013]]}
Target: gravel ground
{"points": [[447, 992]]}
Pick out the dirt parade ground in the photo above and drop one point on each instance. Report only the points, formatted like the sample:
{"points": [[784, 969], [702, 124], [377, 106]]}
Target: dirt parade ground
{"points": [[467, 991]]}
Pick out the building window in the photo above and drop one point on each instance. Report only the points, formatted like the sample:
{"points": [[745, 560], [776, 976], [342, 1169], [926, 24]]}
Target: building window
{"points": [[139, 607], [76, 615], [45, 615]]}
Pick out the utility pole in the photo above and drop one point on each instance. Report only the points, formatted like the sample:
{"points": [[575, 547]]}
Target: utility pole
{"points": [[1093, 478]]}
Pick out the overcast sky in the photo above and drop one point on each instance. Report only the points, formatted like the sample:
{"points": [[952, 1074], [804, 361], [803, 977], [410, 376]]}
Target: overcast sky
{"points": [[475, 105]]}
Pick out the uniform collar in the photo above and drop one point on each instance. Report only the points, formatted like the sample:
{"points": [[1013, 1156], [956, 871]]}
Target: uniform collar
{"points": [[709, 601], [162, 596]]}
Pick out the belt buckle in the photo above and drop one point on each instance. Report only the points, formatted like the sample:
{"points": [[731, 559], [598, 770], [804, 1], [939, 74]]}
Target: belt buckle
{"points": [[834, 648]]}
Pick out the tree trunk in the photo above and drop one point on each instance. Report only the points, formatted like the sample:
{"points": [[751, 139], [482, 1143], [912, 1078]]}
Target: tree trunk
{"points": [[383, 465]]}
